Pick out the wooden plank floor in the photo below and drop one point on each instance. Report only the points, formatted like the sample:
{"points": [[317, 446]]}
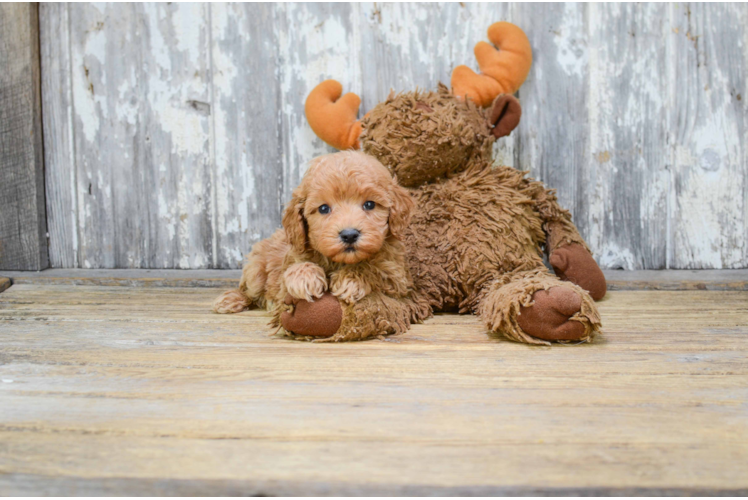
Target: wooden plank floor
{"points": [[712, 279], [125, 390]]}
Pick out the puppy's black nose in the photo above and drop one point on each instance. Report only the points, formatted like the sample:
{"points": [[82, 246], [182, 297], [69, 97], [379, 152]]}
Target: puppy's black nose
{"points": [[349, 236]]}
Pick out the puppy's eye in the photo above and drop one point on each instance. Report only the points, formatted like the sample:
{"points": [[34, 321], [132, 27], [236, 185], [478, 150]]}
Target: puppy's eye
{"points": [[324, 209], [369, 205]]}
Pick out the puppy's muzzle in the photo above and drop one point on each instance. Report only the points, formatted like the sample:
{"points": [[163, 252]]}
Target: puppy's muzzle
{"points": [[349, 236]]}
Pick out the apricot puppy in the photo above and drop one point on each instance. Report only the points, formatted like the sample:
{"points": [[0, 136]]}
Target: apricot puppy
{"points": [[340, 234]]}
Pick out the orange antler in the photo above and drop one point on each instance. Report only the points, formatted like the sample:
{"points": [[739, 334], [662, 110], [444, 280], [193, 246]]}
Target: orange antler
{"points": [[502, 71], [333, 118]]}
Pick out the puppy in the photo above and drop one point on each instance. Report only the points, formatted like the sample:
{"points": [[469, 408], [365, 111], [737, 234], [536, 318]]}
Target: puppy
{"points": [[340, 233]]}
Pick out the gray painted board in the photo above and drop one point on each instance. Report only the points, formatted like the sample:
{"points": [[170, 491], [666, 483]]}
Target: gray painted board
{"points": [[709, 134], [246, 113], [23, 222], [175, 133], [61, 183], [625, 171]]}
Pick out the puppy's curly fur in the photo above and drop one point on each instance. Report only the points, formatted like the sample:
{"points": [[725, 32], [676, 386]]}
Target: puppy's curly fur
{"points": [[309, 255]]}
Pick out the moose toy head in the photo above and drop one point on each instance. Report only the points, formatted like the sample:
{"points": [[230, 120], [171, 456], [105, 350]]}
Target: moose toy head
{"points": [[425, 136]]}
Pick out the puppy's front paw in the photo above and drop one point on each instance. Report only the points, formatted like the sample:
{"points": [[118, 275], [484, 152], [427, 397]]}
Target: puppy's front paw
{"points": [[350, 290], [305, 281]]}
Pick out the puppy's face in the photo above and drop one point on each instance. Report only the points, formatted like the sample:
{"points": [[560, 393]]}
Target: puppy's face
{"points": [[346, 206]]}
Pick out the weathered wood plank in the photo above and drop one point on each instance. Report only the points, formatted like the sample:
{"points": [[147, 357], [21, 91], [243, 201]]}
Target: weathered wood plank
{"points": [[626, 168], [554, 133], [146, 385], [247, 142], [316, 41], [23, 220], [634, 113], [197, 278], [59, 159], [29, 485], [23, 484], [409, 46], [92, 162], [175, 59], [725, 280], [707, 74], [140, 81]]}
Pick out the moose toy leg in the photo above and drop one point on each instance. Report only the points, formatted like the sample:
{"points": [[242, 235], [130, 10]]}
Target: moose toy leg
{"points": [[535, 307], [567, 253]]}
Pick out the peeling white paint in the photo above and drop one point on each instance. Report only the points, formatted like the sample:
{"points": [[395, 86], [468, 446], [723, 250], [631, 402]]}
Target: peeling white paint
{"points": [[645, 133], [169, 93], [709, 155], [572, 49], [611, 256]]}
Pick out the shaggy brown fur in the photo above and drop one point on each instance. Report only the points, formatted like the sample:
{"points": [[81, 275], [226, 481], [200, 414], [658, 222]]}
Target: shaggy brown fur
{"points": [[476, 240], [476, 237], [309, 255], [424, 136]]}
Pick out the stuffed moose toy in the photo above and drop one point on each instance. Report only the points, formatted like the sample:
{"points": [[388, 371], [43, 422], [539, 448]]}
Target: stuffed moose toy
{"points": [[477, 233]]}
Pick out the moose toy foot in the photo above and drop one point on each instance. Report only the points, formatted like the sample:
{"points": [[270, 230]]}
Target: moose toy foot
{"points": [[321, 318], [548, 318]]}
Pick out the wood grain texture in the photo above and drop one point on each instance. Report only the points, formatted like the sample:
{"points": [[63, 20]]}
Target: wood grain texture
{"points": [[60, 173], [554, 133], [144, 390], [674, 280], [195, 278], [246, 117], [709, 127], [28, 485], [23, 221], [722, 279], [314, 40], [627, 165], [635, 113]]}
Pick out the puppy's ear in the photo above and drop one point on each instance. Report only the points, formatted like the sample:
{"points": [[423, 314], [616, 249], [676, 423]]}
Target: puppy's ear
{"points": [[400, 207], [294, 221]]}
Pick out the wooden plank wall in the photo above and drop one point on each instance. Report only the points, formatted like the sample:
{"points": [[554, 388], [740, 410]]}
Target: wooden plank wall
{"points": [[23, 224], [174, 133]]}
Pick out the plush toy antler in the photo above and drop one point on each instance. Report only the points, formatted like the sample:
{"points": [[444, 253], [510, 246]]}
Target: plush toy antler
{"points": [[502, 71], [333, 118]]}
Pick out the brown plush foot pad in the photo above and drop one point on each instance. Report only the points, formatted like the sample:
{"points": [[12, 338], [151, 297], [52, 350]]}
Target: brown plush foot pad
{"points": [[548, 318], [574, 263], [321, 318]]}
